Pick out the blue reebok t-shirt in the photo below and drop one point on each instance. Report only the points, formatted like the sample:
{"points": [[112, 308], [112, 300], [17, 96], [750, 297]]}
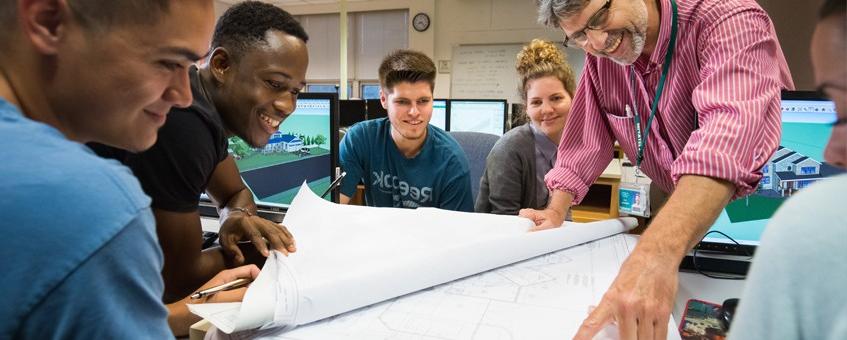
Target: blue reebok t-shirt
{"points": [[437, 177], [80, 254]]}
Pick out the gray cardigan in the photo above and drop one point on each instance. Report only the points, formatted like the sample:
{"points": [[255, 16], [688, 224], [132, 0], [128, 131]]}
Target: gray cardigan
{"points": [[508, 183]]}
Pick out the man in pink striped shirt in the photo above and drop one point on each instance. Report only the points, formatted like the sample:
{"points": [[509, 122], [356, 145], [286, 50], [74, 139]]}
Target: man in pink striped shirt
{"points": [[716, 124]]}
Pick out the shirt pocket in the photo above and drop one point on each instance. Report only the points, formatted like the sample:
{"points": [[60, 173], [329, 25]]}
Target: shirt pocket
{"points": [[623, 129]]}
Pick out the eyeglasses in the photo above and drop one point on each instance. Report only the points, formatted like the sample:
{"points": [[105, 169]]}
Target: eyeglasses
{"points": [[596, 22]]}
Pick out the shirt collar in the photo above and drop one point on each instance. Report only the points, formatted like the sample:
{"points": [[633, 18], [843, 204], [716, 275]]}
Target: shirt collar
{"points": [[9, 111], [658, 56], [201, 101], [543, 143]]}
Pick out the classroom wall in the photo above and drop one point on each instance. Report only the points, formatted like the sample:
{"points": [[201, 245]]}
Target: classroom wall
{"points": [[456, 22], [483, 22], [795, 22]]}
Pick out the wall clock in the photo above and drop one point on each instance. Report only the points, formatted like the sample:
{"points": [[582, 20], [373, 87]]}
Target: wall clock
{"points": [[420, 22]]}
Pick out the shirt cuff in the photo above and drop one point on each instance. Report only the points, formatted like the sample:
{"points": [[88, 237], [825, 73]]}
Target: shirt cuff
{"points": [[565, 180], [718, 166]]}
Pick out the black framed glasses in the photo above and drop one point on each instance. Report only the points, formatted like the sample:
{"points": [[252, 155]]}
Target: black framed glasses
{"points": [[597, 21]]}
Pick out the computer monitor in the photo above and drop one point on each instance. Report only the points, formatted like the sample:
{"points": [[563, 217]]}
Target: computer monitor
{"points": [[439, 114], [807, 119], [478, 115], [375, 109], [304, 149], [329, 88], [351, 111]]}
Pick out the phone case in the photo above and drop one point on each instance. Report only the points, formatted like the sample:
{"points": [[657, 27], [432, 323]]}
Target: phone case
{"points": [[701, 321]]}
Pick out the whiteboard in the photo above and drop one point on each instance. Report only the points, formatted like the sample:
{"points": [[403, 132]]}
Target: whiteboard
{"points": [[488, 71], [485, 72]]}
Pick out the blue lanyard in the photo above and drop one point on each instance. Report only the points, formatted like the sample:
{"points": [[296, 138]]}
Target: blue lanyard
{"points": [[641, 140]]}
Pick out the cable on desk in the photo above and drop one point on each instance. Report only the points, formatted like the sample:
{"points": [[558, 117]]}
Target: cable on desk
{"points": [[717, 276]]}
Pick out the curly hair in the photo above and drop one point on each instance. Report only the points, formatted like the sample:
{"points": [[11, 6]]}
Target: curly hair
{"points": [[540, 59], [244, 26], [406, 66]]}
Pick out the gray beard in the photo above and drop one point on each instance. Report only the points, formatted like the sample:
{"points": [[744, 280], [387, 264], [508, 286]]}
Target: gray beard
{"points": [[638, 41]]}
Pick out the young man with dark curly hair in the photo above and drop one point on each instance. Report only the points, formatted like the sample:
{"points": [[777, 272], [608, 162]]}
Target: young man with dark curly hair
{"points": [[404, 161], [247, 87]]}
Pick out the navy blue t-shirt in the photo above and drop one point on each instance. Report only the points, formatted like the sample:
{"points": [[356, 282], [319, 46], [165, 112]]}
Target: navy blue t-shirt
{"points": [[437, 177]]}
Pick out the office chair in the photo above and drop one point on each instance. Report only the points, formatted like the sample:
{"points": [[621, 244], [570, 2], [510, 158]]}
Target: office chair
{"points": [[476, 145]]}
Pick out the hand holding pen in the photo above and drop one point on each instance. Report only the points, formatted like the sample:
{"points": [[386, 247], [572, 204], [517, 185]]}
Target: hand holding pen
{"points": [[225, 281], [237, 283]]}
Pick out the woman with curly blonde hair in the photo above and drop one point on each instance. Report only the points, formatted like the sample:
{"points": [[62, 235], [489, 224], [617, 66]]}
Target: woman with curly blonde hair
{"points": [[515, 168]]}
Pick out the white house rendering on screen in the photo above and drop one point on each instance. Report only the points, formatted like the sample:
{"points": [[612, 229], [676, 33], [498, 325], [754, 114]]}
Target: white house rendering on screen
{"points": [[280, 142], [789, 171]]}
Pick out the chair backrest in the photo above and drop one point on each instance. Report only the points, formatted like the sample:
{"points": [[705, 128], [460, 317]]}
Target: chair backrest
{"points": [[476, 145]]}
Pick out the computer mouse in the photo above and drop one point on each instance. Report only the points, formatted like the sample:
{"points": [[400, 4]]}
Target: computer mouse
{"points": [[727, 312]]}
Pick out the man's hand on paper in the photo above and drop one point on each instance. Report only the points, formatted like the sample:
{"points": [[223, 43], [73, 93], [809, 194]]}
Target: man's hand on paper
{"points": [[641, 297], [639, 301], [244, 227], [554, 215], [543, 219]]}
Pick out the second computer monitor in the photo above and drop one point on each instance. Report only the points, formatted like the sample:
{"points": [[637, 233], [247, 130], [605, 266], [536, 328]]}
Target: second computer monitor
{"points": [[439, 114], [478, 115], [375, 109], [351, 111], [798, 162]]}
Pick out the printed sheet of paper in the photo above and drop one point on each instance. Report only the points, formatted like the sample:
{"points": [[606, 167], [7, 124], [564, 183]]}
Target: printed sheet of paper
{"points": [[350, 257], [276, 283], [546, 297]]}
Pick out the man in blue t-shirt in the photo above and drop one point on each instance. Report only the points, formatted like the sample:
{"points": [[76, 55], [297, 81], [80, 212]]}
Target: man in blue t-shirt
{"points": [[795, 287], [79, 250], [402, 160]]}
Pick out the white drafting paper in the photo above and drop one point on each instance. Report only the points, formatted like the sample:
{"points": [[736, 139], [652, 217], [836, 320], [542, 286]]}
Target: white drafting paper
{"points": [[350, 257], [546, 297], [274, 283]]}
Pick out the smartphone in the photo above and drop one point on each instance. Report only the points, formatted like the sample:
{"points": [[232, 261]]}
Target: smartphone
{"points": [[701, 321]]}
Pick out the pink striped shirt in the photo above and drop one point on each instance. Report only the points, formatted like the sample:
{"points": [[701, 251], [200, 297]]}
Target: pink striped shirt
{"points": [[727, 66]]}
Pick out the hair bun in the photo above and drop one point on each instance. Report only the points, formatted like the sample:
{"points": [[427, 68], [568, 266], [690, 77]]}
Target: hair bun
{"points": [[538, 52]]}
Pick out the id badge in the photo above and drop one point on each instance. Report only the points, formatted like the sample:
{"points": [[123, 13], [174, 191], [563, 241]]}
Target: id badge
{"points": [[634, 199]]}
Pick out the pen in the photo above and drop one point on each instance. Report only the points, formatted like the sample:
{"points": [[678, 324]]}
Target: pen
{"points": [[226, 286], [334, 184]]}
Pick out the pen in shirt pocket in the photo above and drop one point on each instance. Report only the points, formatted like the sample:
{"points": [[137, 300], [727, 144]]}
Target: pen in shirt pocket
{"points": [[628, 111]]}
